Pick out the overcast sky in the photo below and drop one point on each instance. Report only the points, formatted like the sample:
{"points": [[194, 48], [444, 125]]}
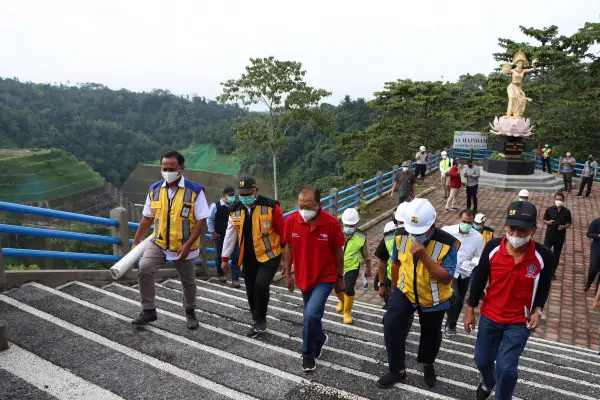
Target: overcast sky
{"points": [[347, 47]]}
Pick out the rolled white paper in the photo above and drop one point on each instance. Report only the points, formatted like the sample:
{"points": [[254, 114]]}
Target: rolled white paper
{"points": [[125, 263]]}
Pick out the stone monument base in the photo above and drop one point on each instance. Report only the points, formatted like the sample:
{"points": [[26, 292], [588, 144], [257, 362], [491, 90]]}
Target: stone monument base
{"points": [[538, 181], [509, 166]]}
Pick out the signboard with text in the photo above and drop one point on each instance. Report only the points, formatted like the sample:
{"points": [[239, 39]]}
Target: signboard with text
{"points": [[514, 148], [469, 140]]}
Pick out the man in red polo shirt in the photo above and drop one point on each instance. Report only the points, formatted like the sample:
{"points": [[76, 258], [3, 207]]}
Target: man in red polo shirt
{"points": [[315, 245], [518, 272]]}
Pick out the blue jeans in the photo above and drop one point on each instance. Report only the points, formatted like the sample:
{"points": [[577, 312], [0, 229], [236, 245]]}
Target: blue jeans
{"points": [[503, 344], [314, 307], [235, 269]]}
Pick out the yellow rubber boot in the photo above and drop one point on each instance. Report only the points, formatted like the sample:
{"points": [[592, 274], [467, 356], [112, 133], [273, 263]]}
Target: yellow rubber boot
{"points": [[348, 301], [340, 306]]}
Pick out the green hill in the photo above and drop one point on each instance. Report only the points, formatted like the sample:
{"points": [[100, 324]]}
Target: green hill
{"points": [[204, 157], [32, 176]]}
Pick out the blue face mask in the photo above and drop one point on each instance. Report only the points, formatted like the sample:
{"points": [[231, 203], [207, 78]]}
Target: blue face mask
{"points": [[349, 231], [464, 228], [419, 238], [231, 199], [247, 200]]}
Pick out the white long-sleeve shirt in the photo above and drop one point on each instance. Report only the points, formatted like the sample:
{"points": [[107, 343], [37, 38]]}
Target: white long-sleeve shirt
{"points": [[471, 245]]}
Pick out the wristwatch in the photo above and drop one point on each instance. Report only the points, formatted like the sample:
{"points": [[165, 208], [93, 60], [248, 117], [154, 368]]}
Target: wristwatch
{"points": [[539, 311], [339, 276], [380, 284]]}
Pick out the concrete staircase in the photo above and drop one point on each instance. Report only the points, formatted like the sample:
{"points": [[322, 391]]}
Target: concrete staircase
{"points": [[77, 342], [541, 182]]}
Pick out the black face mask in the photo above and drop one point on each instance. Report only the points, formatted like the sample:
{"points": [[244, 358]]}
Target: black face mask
{"points": [[470, 165]]}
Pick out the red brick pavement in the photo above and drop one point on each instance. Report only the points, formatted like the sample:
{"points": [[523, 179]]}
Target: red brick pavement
{"points": [[568, 316]]}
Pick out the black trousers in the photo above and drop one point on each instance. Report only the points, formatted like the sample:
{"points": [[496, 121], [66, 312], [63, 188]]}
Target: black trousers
{"points": [[546, 164], [586, 180], [402, 199], [420, 169], [350, 278], [460, 286], [472, 197], [258, 277], [555, 242], [594, 270], [396, 325]]}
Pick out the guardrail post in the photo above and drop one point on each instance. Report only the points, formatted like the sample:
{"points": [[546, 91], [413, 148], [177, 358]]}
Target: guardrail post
{"points": [[333, 201], [204, 244], [470, 154], [121, 231], [2, 273], [379, 182], [360, 189]]}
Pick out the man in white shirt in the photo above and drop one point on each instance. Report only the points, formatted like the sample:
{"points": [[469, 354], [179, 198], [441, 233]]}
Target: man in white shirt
{"points": [[471, 247], [178, 209], [445, 165]]}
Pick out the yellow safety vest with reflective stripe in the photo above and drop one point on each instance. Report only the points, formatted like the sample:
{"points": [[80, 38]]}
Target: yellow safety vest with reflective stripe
{"points": [[389, 244], [445, 164], [352, 251], [488, 234], [546, 152], [266, 241], [174, 219], [414, 280]]}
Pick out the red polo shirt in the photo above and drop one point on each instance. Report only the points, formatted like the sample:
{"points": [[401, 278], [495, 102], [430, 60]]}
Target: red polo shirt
{"points": [[313, 248]]}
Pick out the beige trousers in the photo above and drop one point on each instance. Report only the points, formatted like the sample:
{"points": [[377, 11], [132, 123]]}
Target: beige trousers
{"points": [[452, 198], [151, 261], [445, 181]]}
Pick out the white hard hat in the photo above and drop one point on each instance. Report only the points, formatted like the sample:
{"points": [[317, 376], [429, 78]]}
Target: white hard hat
{"points": [[400, 212], [350, 216], [524, 193], [419, 216], [479, 218], [444, 153], [389, 227], [422, 148]]}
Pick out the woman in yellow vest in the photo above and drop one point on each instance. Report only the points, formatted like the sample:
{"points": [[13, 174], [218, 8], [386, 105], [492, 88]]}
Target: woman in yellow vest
{"points": [[486, 231], [423, 264], [356, 249]]}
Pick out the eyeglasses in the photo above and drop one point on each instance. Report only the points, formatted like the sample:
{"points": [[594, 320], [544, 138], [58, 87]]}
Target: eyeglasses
{"points": [[304, 207]]}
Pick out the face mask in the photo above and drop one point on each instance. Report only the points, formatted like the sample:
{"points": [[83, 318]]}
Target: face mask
{"points": [[307, 215], [404, 169], [470, 165], [517, 242], [558, 203], [349, 231], [231, 199], [444, 157], [247, 200], [591, 159], [419, 238], [522, 199], [170, 177], [478, 227], [464, 228]]}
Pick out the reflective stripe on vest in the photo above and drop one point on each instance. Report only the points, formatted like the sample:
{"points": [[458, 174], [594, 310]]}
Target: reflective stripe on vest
{"points": [[266, 241], [546, 152], [487, 236], [174, 218], [352, 251], [445, 164], [264, 210], [389, 244]]}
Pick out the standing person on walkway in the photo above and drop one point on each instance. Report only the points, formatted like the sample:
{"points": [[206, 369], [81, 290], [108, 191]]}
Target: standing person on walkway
{"points": [[546, 154], [471, 172], [217, 226], [256, 223], [315, 245], [593, 233], [471, 247], [455, 185], [517, 272], [356, 249], [178, 209], [558, 218], [384, 253], [423, 263], [404, 184], [421, 158], [589, 173], [524, 195], [486, 232], [445, 165], [567, 169]]}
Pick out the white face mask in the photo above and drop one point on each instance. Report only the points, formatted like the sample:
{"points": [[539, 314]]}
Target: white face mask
{"points": [[558, 203], [307, 215], [170, 177], [517, 242], [404, 169], [444, 157]]}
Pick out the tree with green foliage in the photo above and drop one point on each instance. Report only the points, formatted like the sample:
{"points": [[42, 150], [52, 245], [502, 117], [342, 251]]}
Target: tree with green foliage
{"points": [[278, 86]]}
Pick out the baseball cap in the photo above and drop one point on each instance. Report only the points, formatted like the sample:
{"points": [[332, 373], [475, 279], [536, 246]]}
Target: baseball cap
{"points": [[522, 214], [229, 190], [419, 216], [246, 184], [524, 193], [479, 218]]}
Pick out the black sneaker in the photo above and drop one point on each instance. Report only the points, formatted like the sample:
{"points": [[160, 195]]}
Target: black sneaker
{"points": [[454, 209], [390, 379], [482, 392], [429, 375], [319, 347], [309, 364], [191, 321], [257, 329], [145, 317], [447, 209]]}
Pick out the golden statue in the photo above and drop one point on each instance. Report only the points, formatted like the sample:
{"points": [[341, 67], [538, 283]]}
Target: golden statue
{"points": [[516, 97]]}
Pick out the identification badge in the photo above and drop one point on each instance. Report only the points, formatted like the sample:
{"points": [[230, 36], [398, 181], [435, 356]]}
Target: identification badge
{"points": [[467, 266], [185, 211]]}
